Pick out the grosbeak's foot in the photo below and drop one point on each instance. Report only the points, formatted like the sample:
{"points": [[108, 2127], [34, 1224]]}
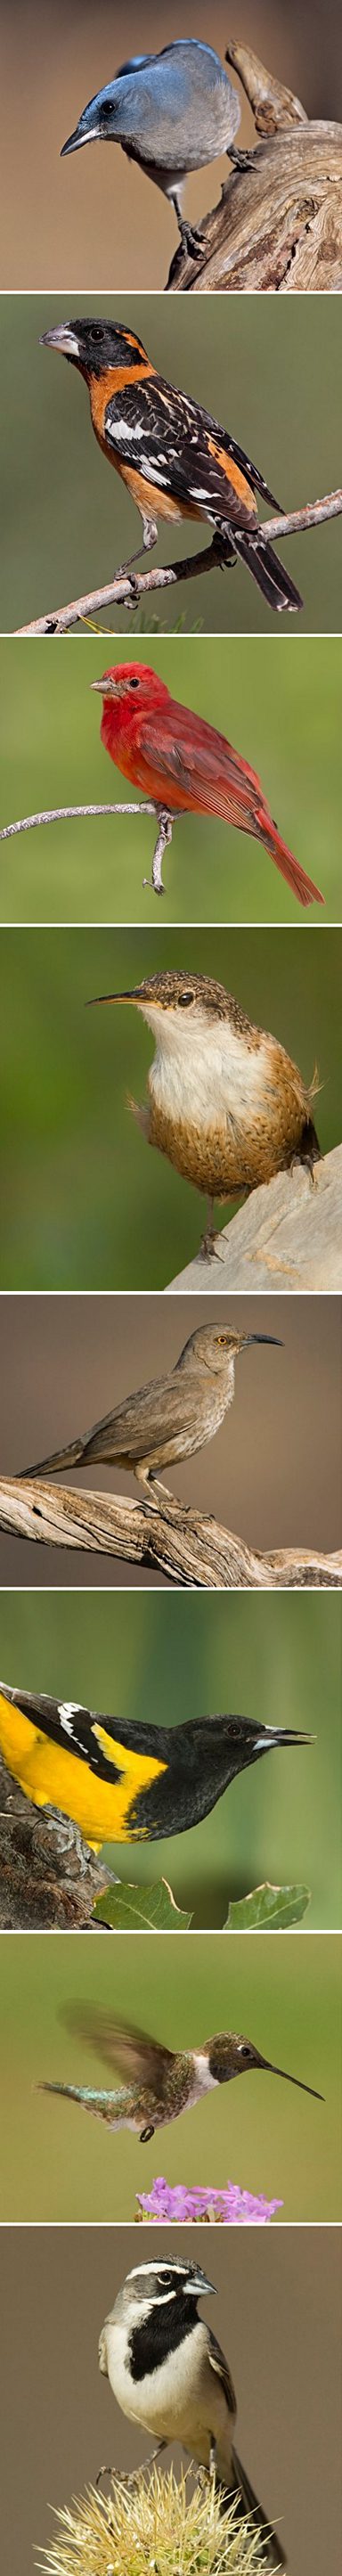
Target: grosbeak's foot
{"points": [[241, 160]]}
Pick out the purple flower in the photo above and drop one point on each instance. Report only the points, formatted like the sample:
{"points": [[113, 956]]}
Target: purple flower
{"points": [[229, 2208]]}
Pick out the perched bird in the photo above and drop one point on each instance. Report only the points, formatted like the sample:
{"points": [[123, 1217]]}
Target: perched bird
{"points": [[173, 112], [169, 1418], [226, 1105], [159, 2082], [176, 461], [181, 763], [126, 1782], [169, 2375]]}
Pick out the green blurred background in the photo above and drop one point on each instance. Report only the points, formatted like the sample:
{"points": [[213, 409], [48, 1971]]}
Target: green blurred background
{"points": [[277, 1660], [282, 710], [95, 215], [85, 1202], [57, 2162], [269, 369]]}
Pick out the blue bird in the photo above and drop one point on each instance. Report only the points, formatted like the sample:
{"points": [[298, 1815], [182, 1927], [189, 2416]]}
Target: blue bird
{"points": [[172, 112]]}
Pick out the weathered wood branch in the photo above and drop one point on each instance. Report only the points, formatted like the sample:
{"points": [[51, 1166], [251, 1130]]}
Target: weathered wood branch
{"points": [[123, 593], [41, 1882], [287, 1235], [278, 227], [187, 1547]]}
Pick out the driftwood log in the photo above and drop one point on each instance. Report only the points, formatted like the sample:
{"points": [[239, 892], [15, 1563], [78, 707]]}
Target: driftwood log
{"points": [[40, 1883], [278, 227], [188, 1548], [288, 1235]]}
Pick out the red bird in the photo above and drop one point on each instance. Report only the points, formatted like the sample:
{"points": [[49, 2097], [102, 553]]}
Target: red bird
{"points": [[184, 766]]}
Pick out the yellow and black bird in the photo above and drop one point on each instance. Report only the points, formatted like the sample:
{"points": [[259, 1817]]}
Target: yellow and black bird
{"points": [[176, 460], [126, 1781]]}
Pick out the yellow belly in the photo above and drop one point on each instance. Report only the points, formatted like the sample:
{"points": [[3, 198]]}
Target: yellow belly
{"points": [[54, 1777]]}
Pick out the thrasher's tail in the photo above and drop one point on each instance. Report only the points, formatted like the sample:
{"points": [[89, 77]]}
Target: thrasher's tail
{"points": [[274, 2554], [267, 571], [70, 1457]]}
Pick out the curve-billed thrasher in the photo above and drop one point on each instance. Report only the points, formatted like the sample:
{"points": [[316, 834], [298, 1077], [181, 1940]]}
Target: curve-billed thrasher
{"points": [[169, 1418]]}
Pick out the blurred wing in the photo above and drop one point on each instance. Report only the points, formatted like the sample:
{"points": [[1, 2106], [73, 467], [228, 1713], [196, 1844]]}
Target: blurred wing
{"points": [[133, 2052], [220, 2365]]}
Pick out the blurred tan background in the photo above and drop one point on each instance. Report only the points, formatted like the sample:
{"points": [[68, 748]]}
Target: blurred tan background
{"points": [[273, 1472], [94, 218], [277, 2316]]}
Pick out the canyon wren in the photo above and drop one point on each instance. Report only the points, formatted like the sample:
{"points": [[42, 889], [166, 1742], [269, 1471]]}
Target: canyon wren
{"points": [[226, 1104]]}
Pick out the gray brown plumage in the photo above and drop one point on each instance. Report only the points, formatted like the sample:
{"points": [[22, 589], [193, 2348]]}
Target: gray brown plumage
{"points": [[168, 1419]]}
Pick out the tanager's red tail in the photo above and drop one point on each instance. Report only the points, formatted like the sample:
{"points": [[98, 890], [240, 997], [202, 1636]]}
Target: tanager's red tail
{"points": [[301, 885]]}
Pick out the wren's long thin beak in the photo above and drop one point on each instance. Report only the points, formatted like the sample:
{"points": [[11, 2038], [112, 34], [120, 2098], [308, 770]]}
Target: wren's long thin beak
{"points": [[96, 998], [291, 2079]]}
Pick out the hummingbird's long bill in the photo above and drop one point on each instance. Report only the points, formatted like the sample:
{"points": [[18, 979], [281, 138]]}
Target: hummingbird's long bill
{"points": [[293, 2079]]}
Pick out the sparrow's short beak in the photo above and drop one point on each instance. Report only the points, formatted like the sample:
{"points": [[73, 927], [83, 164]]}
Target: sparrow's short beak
{"points": [[199, 2283], [62, 338]]}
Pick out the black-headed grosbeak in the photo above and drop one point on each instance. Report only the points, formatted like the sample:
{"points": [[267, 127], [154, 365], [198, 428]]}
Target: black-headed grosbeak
{"points": [[175, 459]]}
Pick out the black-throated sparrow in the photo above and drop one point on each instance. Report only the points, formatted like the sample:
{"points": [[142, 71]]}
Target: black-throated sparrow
{"points": [[168, 2373]]}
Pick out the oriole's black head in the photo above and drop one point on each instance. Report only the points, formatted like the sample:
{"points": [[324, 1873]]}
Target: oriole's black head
{"points": [[97, 346]]}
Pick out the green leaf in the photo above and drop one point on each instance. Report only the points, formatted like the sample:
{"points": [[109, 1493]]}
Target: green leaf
{"points": [[268, 1909], [140, 1909]]}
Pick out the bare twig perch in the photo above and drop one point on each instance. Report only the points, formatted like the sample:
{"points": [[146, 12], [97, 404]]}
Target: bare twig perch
{"points": [[288, 1235], [278, 227], [73, 813], [185, 1546], [41, 1883], [125, 592]]}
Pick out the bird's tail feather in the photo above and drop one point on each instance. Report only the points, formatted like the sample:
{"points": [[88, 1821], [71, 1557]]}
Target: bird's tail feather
{"points": [[70, 1457], [301, 885], [274, 2554], [267, 570]]}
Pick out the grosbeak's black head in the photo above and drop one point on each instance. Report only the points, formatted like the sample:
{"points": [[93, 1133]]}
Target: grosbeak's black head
{"points": [[96, 346]]}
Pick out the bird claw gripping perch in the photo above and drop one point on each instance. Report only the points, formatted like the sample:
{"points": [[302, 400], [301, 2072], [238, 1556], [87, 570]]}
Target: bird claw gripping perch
{"points": [[166, 823]]}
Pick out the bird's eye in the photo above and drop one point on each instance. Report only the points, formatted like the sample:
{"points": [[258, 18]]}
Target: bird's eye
{"points": [[184, 999], [245, 2051], [134, 684], [221, 1338]]}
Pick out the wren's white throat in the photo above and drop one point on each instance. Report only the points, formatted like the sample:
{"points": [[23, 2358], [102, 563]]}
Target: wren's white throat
{"points": [[203, 1067]]}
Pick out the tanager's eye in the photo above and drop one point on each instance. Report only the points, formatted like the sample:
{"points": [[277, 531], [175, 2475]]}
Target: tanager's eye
{"points": [[134, 684]]}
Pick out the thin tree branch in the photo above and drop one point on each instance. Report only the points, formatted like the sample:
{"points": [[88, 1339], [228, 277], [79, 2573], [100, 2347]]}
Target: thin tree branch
{"points": [[67, 813], [187, 1547], [122, 592]]}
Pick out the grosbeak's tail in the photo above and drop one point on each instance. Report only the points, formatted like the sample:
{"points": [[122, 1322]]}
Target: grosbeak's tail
{"points": [[301, 885], [268, 572]]}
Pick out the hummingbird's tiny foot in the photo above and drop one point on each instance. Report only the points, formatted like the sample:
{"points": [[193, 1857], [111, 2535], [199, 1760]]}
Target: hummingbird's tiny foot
{"points": [[145, 2135], [212, 2458]]}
